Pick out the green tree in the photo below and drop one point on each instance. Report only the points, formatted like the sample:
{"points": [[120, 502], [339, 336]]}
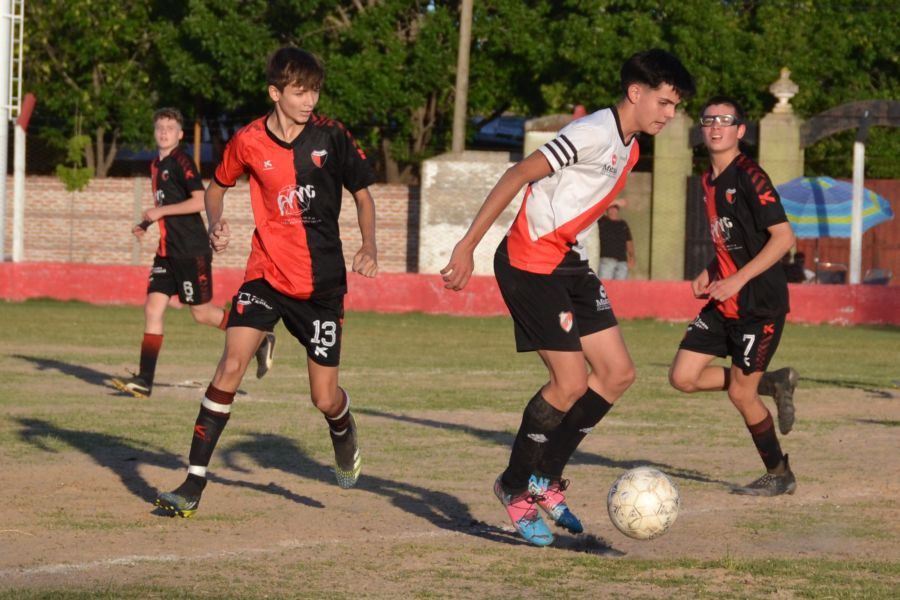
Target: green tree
{"points": [[89, 57], [212, 54]]}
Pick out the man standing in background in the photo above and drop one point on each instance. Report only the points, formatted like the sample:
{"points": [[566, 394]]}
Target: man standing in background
{"points": [[616, 245]]}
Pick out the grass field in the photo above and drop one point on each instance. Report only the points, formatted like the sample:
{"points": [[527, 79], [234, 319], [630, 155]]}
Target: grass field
{"points": [[438, 400]]}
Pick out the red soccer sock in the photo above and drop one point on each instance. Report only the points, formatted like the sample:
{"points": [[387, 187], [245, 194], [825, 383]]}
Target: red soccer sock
{"points": [[150, 346]]}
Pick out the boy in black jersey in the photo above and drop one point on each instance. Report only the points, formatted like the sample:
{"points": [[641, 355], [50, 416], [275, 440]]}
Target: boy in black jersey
{"points": [[183, 261], [748, 295]]}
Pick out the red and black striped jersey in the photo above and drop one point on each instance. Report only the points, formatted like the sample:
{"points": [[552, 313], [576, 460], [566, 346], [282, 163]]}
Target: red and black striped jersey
{"points": [[741, 204], [590, 162], [295, 193], [174, 178]]}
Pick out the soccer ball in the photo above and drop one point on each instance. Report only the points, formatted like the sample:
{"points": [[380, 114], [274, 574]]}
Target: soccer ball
{"points": [[643, 503]]}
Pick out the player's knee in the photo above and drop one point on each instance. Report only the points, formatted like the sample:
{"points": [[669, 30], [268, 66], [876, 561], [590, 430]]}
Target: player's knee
{"points": [[625, 378], [681, 380], [570, 392], [327, 403], [232, 367], [742, 396]]}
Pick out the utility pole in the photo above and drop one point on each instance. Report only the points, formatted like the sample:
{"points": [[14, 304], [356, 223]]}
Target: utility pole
{"points": [[5, 46], [460, 103], [856, 210]]}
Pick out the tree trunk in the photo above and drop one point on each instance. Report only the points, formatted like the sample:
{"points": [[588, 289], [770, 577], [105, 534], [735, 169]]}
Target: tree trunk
{"points": [[99, 158]]}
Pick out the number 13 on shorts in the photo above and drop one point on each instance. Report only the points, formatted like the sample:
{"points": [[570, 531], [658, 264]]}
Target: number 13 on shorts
{"points": [[324, 337]]}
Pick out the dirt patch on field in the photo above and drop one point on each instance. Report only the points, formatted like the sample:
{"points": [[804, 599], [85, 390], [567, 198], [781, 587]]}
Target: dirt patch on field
{"points": [[426, 522]]}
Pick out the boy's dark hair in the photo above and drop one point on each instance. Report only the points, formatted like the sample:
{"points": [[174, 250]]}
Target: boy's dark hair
{"points": [[655, 67], [291, 65], [738, 109], [168, 112]]}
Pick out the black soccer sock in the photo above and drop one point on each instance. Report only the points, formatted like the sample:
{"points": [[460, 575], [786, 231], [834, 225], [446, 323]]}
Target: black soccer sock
{"points": [[341, 422], [214, 413], [538, 422], [192, 486], [150, 347], [578, 422], [763, 434]]}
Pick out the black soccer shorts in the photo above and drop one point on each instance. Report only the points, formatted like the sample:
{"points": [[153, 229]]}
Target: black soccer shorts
{"points": [[317, 323], [750, 341], [553, 312], [189, 277]]}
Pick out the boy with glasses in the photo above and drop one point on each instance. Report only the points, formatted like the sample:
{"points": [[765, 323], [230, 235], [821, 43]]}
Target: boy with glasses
{"points": [[748, 295]]}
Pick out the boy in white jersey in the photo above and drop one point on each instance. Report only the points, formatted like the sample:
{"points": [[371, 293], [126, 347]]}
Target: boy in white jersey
{"points": [[558, 304]]}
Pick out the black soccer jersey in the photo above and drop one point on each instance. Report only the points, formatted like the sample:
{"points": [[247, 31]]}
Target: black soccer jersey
{"points": [[295, 192], [741, 204], [174, 178]]}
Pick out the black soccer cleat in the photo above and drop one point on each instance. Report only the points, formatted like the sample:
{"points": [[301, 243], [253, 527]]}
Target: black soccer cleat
{"points": [[770, 484], [780, 385], [347, 458], [184, 500], [137, 386], [265, 354]]}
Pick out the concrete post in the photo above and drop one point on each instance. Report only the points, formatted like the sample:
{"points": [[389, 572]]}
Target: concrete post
{"points": [[780, 149], [672, 158]]}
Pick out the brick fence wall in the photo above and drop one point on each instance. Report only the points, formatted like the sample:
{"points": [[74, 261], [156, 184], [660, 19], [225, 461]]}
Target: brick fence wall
{"points": [[94, 226]]}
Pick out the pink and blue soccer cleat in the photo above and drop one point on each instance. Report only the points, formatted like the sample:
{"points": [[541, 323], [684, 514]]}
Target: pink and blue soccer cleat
{"points": [[550, 496], [524, 515]]}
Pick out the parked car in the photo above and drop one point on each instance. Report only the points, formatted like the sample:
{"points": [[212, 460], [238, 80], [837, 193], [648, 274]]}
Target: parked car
{"points": [[505, 131]]}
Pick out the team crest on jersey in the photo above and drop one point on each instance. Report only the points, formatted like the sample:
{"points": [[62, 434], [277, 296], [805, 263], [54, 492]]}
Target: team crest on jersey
{"points": [[164, 175], [319, 157], [729, 195], [245, 299], [566, 321]]}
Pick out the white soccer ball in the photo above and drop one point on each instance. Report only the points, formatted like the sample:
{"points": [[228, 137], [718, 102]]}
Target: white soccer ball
{"points": [[643, 503]]}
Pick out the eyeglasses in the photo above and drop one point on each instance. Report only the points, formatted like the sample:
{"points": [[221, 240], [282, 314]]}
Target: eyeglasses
{"points": [[721, 120]]}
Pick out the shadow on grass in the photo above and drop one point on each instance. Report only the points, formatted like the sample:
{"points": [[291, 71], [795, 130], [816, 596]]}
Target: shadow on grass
{"points": [[884, 422], [579, 458], [99, 378], [438, 508], [125, 457], [866, 386], [86, 374]]}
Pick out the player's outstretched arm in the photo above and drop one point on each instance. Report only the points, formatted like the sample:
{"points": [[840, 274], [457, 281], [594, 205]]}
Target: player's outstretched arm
{"points": [[366, 260], [219, 232], [459, 269]]}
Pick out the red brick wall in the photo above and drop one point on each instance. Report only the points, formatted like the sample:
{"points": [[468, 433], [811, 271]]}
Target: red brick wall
{"points": [[94, 226]]}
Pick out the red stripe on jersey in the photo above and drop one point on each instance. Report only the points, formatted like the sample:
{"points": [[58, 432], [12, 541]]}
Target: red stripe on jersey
{"points": [[285, 262], [544, 254], [760, 182], [726, 266], [161, 223]]}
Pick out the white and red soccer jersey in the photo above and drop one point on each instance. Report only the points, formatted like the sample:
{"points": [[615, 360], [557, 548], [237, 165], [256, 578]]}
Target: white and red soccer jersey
{"points": [[295, 191], [590, 161]]}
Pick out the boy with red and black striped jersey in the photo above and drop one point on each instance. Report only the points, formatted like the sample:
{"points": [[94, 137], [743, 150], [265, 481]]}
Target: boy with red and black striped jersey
{"points": [[298, 163], [748, 294], [559, 306], [183, 261]]}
